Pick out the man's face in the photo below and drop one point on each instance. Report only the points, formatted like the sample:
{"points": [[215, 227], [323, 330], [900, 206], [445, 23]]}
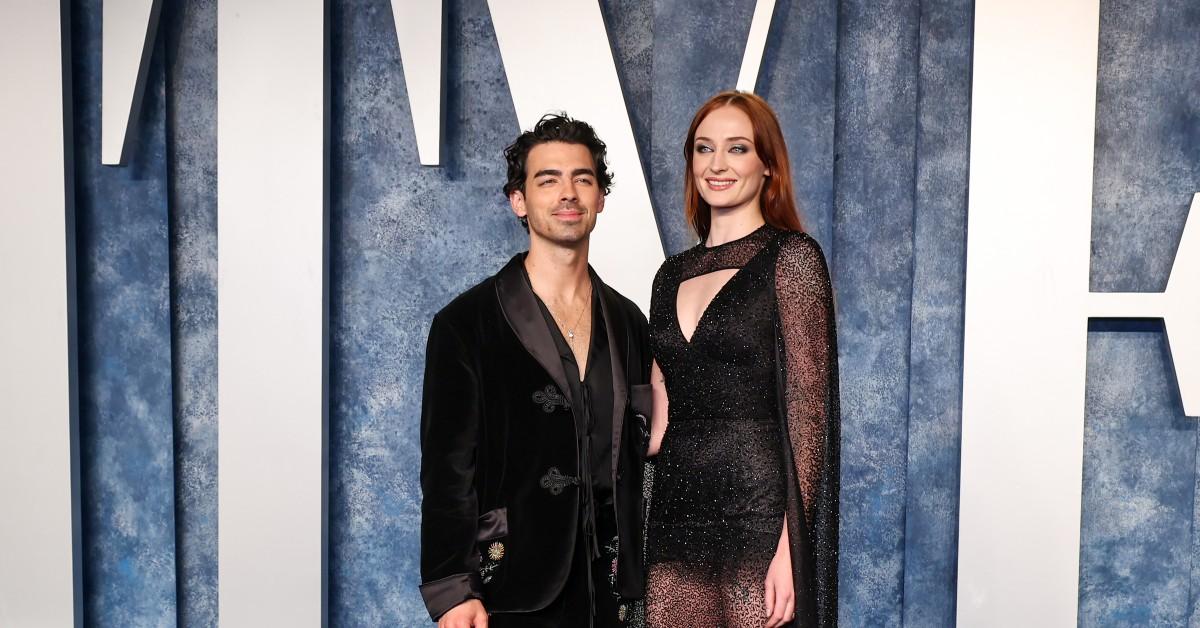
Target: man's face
{"points": [[561, 197]]}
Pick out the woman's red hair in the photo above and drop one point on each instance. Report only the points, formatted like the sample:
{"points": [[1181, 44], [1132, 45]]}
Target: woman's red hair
{"points": [[777, 199]]}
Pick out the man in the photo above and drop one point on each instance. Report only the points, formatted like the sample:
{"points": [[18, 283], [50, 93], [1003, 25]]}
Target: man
{"points": [[532, 426]]}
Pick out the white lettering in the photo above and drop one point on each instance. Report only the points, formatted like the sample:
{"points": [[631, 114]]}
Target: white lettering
{"points": [[39, 527], [419, 32], [756, 45], [271, 155], [128, 32]]}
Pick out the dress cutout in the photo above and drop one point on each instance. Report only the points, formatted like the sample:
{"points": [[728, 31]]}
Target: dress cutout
{"points": [[752, 435]]}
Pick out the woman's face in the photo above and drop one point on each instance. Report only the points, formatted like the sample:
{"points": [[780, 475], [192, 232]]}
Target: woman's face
{"points": [[725, 163]]}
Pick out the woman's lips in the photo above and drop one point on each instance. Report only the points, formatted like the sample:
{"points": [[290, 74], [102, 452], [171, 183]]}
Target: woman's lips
{"points": [[719, 185]]}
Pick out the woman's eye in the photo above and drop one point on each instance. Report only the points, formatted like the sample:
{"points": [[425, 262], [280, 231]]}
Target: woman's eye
{"points": [[738, 148], [701, 148]]}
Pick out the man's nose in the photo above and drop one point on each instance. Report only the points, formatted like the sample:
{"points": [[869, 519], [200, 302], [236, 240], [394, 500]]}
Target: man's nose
{"points": [[569, 192]]}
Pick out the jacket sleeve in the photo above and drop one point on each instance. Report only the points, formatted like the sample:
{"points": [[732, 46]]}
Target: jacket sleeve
{"points": [[807, 326], [641, 400], [450, 419]]}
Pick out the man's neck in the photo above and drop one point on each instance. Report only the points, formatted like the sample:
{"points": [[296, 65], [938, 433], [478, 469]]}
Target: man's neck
{"points": [[558, 273]]}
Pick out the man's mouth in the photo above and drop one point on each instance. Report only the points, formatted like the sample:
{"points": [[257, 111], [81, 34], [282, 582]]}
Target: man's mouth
{"points": [[569, 212]]}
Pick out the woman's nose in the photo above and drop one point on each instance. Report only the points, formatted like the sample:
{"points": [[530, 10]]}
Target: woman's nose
{"points": [[718, 163]]}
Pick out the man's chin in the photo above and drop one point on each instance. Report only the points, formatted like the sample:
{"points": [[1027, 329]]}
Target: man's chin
{"points": [[571, 236]]}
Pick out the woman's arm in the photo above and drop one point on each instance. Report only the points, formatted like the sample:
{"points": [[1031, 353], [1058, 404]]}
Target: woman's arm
{"points": [[807, 328], [658, 418], [779, 592]]}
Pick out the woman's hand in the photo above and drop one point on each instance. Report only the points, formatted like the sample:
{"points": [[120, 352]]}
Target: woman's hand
{"points": [[658, 418], [779, 594]]}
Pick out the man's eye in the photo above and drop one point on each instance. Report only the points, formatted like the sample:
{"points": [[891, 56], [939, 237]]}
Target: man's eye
{"points": [[584, 180], [545, 182]]}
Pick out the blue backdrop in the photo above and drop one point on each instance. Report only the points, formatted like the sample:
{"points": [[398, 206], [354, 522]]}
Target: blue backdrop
{"points": [[874, 97]]}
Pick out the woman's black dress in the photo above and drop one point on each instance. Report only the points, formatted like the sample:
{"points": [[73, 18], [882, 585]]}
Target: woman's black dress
{"points": [[752, 435]]}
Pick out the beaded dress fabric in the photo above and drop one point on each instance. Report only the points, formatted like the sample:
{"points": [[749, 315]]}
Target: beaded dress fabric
{"points": [[752, 436]]}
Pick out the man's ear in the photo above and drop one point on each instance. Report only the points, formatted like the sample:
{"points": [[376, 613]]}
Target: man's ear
{"points": [[600, 205], [517, 200]]}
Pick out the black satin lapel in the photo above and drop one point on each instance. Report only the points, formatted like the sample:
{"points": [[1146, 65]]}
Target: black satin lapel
{"points": [[520, 308], [618, 350]]}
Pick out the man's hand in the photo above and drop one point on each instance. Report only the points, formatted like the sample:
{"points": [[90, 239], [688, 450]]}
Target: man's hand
{"points": [[469, 614]]}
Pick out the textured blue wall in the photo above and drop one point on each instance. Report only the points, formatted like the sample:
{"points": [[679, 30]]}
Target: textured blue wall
{"points": [[190, 32], [405, 240], [935, 335], [874, 98], [1139, 553], [125, 389]]}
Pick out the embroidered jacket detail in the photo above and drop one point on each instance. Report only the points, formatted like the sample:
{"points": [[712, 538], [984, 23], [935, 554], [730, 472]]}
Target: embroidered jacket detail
{"points": [[555, 481], [549, 398], [491, 560]]}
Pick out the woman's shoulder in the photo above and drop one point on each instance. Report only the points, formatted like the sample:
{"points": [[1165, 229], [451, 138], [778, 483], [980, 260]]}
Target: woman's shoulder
{"points": [[677, 260], [799, 243], [799, 252]]}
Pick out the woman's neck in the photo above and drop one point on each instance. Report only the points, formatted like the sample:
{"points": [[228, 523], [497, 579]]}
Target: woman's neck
{"points": [[727, 225]]}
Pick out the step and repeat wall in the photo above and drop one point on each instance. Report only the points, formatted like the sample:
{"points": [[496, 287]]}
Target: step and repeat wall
{"points": [[212, 383]]}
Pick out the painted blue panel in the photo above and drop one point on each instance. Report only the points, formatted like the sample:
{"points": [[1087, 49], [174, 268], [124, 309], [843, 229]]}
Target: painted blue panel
{"points": [[190, 29], [405, 240], [698, 50], [939, 269], [1139, 457], [127, 455], [1147, 140], [1138, 547], [630, 25], [798, 78], [872, 267], [884, 195]]}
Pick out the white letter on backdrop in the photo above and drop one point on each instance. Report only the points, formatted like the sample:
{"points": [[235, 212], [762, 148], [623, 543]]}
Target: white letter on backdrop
{"points": [[1027, 305], [39, 527], [271, 155], [422, 53], [127, 35]]}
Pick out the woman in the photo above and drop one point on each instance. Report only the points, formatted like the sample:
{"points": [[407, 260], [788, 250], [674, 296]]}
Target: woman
{"points": [[743, 524]]}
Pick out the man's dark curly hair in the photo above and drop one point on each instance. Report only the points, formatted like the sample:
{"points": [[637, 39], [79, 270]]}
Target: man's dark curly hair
{"points": [[555, 127]]}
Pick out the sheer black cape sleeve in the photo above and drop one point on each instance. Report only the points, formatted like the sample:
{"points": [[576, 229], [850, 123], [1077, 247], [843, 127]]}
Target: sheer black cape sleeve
{"points": [[810, 417]]}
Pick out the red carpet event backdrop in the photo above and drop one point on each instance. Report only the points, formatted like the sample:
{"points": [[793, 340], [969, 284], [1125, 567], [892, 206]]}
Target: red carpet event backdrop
{"points": [[225, 231]]}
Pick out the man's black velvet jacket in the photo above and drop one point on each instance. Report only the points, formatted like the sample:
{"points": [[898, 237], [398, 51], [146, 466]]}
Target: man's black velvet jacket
{"points": [[499, 449]]}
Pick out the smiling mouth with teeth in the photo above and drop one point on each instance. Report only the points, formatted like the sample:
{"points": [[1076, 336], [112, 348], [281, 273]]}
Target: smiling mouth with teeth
{"points": [[720, 184]]}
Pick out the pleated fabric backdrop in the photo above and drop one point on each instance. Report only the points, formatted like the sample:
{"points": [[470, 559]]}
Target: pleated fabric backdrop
{"points": [[874, 97]]}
